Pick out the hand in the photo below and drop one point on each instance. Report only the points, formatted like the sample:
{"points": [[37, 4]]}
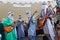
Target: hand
{"points": [[30, 20], [11, 27]]}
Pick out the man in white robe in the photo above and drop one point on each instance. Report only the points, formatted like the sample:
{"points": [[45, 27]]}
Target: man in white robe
{"points": [[48, 28]]}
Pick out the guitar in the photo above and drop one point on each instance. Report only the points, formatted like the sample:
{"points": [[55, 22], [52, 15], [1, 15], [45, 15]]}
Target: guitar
{"points": [[31, 18], [8, 29], [43, 20]]}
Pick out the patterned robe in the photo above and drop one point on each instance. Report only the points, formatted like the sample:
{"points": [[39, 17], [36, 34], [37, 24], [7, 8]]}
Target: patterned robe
{"points": [[48, 28]]}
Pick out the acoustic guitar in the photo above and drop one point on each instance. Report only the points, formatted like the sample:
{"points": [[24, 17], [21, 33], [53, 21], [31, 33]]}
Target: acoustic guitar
{"points": [[8, 29], [43, 20]]}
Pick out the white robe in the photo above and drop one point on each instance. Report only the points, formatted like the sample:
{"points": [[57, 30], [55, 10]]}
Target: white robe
{"points": [[50, 28]]}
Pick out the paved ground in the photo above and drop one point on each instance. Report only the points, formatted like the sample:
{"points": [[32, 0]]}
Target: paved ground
{"points": [[37, 38]]}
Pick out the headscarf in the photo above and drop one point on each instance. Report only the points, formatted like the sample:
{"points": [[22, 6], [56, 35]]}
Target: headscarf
{"points": [[10, 15], [28, 13], [44, 6], [19, 18]]}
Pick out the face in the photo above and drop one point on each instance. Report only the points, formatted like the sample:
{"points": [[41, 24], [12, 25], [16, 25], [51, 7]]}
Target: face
{"points": [[11, 14], [19, 16], [28, 15]]}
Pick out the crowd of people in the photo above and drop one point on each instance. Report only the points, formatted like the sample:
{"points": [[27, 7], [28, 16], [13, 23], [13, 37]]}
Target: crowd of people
{"points": [[17, 27]]}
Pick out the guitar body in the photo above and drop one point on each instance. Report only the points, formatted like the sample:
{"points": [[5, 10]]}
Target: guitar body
{"points": [[7, 29], [42, 22]]}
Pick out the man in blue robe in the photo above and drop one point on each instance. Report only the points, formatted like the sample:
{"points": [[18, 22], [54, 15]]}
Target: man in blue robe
{"points": [[20, 29], [32, 26]]}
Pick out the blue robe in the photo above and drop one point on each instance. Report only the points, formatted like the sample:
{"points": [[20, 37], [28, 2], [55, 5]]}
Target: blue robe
{"points": [[32, 27], [21, 30]]}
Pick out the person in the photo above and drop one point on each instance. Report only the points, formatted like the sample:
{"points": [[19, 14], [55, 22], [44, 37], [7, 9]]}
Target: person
{"points": [[32, 26], [48, 28], [8, 22], [2, 35], [20, 29]]}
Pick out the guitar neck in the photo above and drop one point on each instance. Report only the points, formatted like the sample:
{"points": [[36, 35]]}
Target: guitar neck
{"points": [[33, 14]]}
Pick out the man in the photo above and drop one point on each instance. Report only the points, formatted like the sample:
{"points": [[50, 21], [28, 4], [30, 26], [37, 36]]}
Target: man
{"points": [[2, 35], [32, 26], [20, 30], [9, 22], [48, 28]]}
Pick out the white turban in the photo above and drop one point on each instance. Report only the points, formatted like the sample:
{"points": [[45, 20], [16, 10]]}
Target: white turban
{"points": [[10, 15], [28, 13], [44, 6], [19, 18]]}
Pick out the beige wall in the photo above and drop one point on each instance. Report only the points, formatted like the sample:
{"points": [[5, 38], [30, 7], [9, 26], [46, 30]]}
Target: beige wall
{"points": [[4, 8]]}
